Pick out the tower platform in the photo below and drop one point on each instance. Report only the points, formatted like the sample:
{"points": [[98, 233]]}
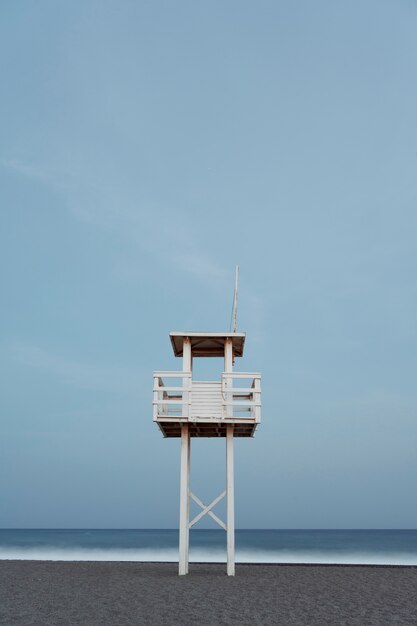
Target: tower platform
{"points": [[202, 428], [207, 406]]}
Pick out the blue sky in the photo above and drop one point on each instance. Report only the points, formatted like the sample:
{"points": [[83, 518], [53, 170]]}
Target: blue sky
{"points": [[148, 147]]}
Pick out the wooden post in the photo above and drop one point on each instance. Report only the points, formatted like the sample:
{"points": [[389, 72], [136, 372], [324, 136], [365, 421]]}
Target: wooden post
{"points": [[185, 464], [188, 502], [184, 499], [186, 367], [228, 355], [257, 399], [228, 368], [230, 502]]}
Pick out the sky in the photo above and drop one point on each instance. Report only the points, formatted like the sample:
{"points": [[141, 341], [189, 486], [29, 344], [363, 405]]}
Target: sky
{"points": [[146, 148]]}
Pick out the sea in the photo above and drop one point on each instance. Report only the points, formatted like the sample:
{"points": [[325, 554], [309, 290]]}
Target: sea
{"points": [[368, 547]]}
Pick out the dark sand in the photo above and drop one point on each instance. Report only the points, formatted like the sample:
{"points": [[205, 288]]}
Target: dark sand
{"points": [[65, 593]]}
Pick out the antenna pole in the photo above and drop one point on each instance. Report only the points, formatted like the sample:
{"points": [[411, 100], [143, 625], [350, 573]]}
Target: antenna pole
{"points": [[235, 300]]}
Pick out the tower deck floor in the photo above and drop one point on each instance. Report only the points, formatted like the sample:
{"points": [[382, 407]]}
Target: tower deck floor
{"points": [[171, 427]]}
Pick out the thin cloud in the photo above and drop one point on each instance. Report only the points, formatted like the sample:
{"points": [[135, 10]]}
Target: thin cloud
{"points": [[52, 176], [165, 236], [75, 373]]}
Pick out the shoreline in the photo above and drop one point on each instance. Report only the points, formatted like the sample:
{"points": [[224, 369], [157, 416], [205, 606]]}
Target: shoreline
{"points": [[216, 563], [102, 593]]}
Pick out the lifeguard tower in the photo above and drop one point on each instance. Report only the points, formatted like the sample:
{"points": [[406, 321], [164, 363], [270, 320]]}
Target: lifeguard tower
{"points": [[185, 408]]}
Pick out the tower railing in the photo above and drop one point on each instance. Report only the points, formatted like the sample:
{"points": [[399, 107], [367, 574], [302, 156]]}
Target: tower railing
{"points": [[238, 395], [242, 400], [171, 400]]}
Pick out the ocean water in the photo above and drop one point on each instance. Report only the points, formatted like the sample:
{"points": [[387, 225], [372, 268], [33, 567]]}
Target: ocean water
{"points": [[371, 547]]}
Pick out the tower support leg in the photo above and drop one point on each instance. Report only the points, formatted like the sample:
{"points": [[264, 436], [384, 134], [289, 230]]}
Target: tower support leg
{"points": [[184, 499], [230, 502], [188, 499]]}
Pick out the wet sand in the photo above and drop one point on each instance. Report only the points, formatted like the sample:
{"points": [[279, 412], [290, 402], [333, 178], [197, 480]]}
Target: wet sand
{"points": [[44, 593]]}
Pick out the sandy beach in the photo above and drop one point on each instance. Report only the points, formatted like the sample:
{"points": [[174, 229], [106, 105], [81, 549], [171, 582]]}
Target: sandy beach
{"points": [[44, 593]]}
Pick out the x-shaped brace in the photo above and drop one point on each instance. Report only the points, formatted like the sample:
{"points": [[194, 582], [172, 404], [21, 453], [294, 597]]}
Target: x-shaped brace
{"points": [[207, 510]]}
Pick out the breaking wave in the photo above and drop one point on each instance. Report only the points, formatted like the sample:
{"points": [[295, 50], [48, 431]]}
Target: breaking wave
{"points": [[200, 555]]}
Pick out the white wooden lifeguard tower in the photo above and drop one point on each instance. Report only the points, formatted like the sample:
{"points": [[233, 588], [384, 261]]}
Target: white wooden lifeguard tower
{"points": [[228, 407]]}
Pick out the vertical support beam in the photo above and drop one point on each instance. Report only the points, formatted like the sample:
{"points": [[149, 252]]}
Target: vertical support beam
{"points": [[156, 394], [185, 463], [257, 399], [230, 501], [188, 501], [228, 368], [186, 367], [184, 499], [228, 355], [186, 355]]}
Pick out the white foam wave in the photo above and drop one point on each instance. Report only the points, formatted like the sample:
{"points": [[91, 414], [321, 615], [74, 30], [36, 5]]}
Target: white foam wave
{"points": [[198, 555]]}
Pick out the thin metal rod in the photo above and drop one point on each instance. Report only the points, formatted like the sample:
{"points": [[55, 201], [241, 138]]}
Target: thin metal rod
{"points": [[235, 300]]}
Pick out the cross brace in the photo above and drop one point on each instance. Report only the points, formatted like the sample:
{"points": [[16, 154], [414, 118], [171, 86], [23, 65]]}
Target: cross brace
{"points": [[207, 510]]}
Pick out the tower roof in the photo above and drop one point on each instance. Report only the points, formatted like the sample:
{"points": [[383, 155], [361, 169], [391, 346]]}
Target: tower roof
{"points": [[207, 344]]}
